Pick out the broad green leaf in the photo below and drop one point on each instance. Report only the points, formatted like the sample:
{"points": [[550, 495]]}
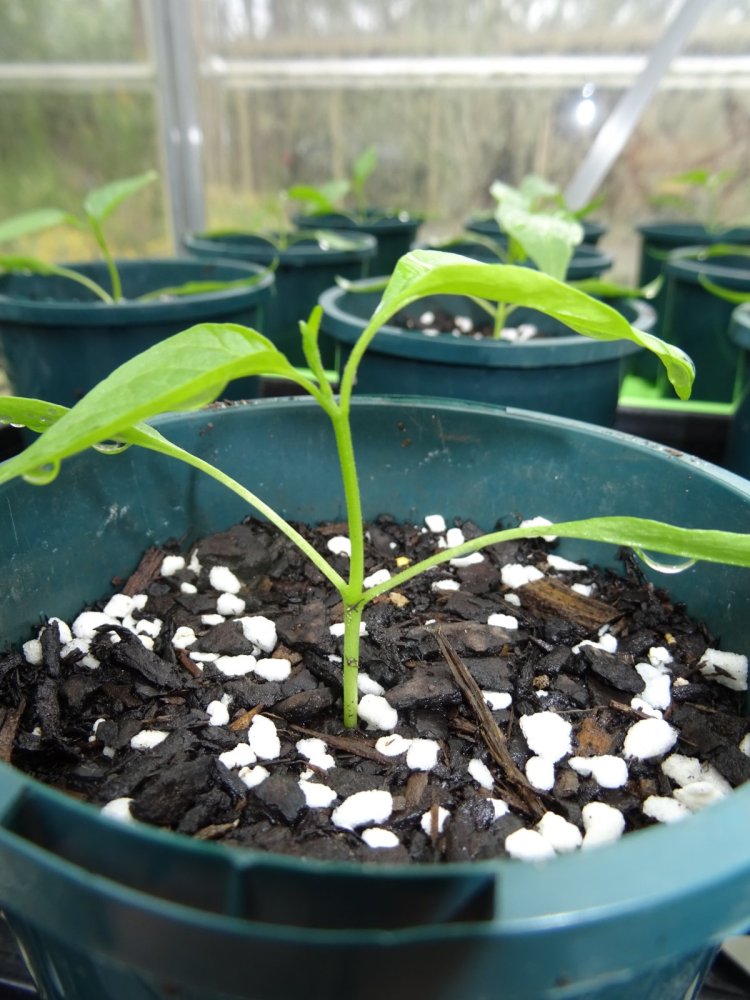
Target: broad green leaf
{"points": [[36, 414], [320, 200], [183, 372], [613, 290], [101, 202], [548, 240], [504, 194], [433, 272], [34, 222], [32, 265]]}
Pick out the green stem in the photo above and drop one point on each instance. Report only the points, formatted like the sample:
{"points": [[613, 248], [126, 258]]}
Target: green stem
{"points": [[114, 274], [352, 621], [339, 416], [92, 286]]}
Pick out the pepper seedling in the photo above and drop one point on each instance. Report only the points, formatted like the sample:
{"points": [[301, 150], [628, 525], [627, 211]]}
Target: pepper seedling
{"points": [[192, 368], [333, 196], [98, 205], [695, 193]]}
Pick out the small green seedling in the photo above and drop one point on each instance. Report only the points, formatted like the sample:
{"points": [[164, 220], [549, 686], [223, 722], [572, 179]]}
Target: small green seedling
{"points": [[98, 205], [345, 196], [192, 368], [695, 194]]}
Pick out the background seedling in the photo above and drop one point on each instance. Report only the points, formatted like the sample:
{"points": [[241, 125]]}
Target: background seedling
{"points": [[191, 368]]}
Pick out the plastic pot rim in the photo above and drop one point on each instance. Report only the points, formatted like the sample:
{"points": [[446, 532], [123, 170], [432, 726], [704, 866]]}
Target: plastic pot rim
{"points": [[259, 250], [682, 264], [128, 312]]}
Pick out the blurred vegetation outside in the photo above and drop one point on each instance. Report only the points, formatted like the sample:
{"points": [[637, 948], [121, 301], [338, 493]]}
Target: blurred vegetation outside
{"points": [[441, 141]]}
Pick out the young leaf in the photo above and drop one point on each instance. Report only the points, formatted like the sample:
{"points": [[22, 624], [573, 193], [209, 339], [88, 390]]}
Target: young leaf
{"points": [[432, 272], [182, 372], [34, 266], [613, 290], [101, 202], [321, 200], [203, 287], [34, 222], [548, 240]]}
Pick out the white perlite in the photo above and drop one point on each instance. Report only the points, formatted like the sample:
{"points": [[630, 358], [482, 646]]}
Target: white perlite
{"points": [[453, 537], [241, 756], [541, 773], [472, 559], [515, 575], [337, 629], [363, 808], [434, 823], [603, 824], [63, 629], [275, 669], [316, 751], [664, 809], [393, 745], [699, 794], [729, 669], [377, 713], [32, 652], [149, 626], [606, 642], [171, 565], [218, 713], [263, 738], [658, 690], [564, 565], [216, 619], [118, 809], [188, 588], [649, 738], [584, 589], [513, 599], [481, 773], [119, 606], [368, 685], [183, 637], [317, 796], [685, 771], [435, 523], [228, 605], [528, 845], [536, 522], [235, 666], [562, 836], [260, 631], [745, 745], [607, 770], [87, 623], [251, 777], [547, 734], [503, 621], [339, 545], [223, 579], [500, 807], [422, 755], [147, 739], [379, 839], [446, 585], [497, 700], [379, 576]]}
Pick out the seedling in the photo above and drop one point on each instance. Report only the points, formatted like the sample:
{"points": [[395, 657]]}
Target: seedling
{"points": [[191, 368], [98, 205], [339, 196], [695, 193]]}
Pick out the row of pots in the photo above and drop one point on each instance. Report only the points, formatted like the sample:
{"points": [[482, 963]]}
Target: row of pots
{"points": [[107, 912]]}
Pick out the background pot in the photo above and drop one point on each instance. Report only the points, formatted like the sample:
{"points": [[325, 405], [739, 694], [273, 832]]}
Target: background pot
{"points": [[305, 269], [394, 233], [58, 340], [108, 912], [558, 372], [592, 230]]}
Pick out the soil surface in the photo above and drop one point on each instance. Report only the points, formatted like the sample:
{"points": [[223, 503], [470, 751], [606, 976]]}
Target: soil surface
{"points": [[213, 730], [432, 323]]}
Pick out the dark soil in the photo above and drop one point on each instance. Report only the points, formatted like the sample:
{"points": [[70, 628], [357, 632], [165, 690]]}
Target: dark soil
{"points": [[70, 724], [439, 321]]}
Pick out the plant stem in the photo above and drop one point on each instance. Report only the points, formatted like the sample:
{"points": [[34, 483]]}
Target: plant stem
{"points": [[66, 272], [342, 430], [352, 621]]}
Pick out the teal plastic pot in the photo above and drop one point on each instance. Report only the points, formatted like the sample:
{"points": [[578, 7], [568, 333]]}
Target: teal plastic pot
{"points": [[394, 232], [112, 912], [304, 270], [57, 339], [738, 438], [558, 372], [487, 226], [698, 321]]}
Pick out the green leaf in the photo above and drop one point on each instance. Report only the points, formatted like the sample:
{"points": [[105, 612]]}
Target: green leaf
{"points": [[362, 284], [321, 200], [548, 240], [101, 202], [34, 266], [204, 287], [182, 372], [433, 272], [35, 414], [613, 290], [35, 222], [363, 167], [329, 239], [538, 191]]}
